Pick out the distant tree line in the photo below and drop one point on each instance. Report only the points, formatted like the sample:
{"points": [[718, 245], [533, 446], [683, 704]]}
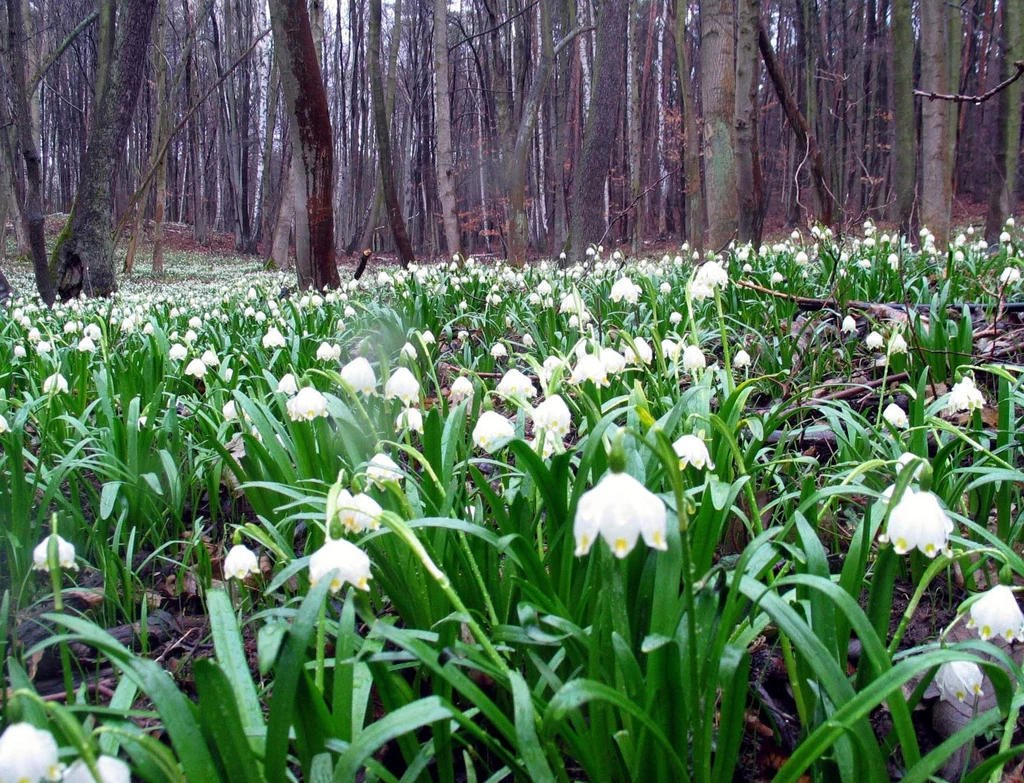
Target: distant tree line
{"points": [[504, 127]]}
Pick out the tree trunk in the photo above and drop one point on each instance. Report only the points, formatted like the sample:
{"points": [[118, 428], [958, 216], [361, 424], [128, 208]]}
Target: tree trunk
{"points": [[84, 253], [383, 133], [588, 216], [691, 153], [904, 151], [936, 166], [749, 184], [445, 154], [163, 111], [312, 142], [32, 206], [718, 99], [1003, 183]]}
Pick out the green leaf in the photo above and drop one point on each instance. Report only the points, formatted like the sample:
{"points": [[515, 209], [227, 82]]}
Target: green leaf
{"points": [[223, 725], [526, 731], [227, 644]]}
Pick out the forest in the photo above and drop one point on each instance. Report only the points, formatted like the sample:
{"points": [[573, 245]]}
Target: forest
{"points": [[511, 391]]}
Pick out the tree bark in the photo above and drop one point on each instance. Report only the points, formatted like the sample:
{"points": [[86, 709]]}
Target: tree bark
{"points": [[691, 152], [1003, 185], [445, 154], [32, 206], [718, 99], [84, 252], [936, 166], [312, 142], [382, 130], [904, 151], [749, 183], [588, 216]]}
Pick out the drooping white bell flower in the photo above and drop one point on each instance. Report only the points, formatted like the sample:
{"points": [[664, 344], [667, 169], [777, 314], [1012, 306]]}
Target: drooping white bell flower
{"points": [[589, 368], [359, 374], [402, 385], [86, 345], [409, 419], [328, 353], [693, 358], [112, 770], [178, 352], [55, 383], [462, 389], [626, 290], [209, 358], [274, 339], [307, 405], [905, 459], [741, 359], [958, 680], [897, 344], [1009, 275], [4, 426], [553, 415], [965, 396], [287, 385], [239, 562], [65, 555], [490, 428], [918, 522], [620, 510], [997, 613], [671, 349], [874, 341], [692, 450], [348, 563], [28, 754], [849, 325], [499, 351], [514, 383], [613, 361], [196, 368], [356, 513], [408, 350], [382, 468], [896, 416], [642, 355]]}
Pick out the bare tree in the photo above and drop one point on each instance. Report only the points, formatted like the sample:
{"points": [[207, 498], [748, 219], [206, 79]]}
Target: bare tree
{"points": [[749, 184], [442, 108], [936, 165], [1003, 190], [718, 98]]}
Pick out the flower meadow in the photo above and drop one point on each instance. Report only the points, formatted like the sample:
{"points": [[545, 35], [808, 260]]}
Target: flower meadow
{"points": [[753, 516]]}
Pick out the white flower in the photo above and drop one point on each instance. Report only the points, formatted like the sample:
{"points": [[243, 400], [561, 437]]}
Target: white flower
{"points": [[209, 358], [86, 345], [625, 289], [328, 353], [671, 349], [28, 754], [190, 337], [409, 419], [1004, 237], [864, 263], [965, 396], [196, 368], [4, 426], [229, 411], [776, 278], [528, 340], [348, 563], [589, 368], [499, 351], [613, 361], [112, 770], [490, 428], [897, 344], [692, 450], [919, 522], [273, 338], [408, 350], [553, 415], [382, 468], [402, 385], [896, 416], [1009, 275], [713, 274], [849, 325], [675, 318], [462, 389], [996, 613], [620, 509], [693, 358], [65, 554], [360, 376], [43, 347], [92, 331], [307, 405], [428, 337], [178, 352], [741, 359], [643, 353], [55, 383], [905, 459], [287, 385], [957, 680], [240, 562], [19, 352], [874, 341], [514, 383], [356, 513]]}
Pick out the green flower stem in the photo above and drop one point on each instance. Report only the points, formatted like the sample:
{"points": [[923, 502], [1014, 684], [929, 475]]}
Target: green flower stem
{"points": [[321, 644], [478, 577], [53, 566], [726, 353], [1007, 739]]}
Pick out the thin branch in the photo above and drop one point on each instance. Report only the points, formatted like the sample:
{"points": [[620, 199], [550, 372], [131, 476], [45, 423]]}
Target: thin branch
{"points": [[498, 26], [635, 201], [33, 83], [1019, 65]]}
